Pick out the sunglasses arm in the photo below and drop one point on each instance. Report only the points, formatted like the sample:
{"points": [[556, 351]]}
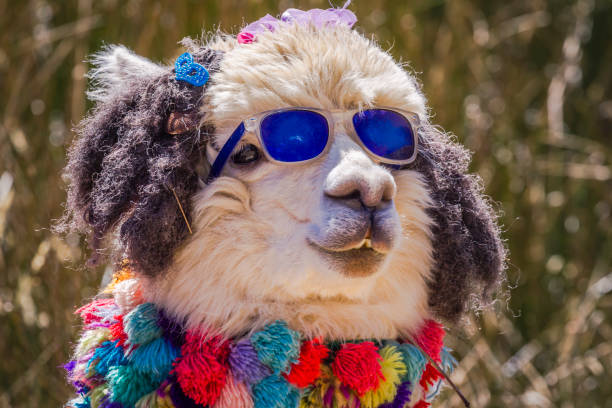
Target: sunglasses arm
{"points": [[225, 152]]}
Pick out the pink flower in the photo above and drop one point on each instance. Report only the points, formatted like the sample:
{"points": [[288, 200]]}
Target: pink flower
{"points": [[317, 17]]}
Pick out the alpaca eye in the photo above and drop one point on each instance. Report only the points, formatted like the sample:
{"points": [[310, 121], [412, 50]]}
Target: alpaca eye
{"points": [[247, 154]]}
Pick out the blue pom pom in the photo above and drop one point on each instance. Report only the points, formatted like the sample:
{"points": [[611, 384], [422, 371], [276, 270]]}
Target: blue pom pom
{"points": [[155, 358], [448, 361], [128, 384], [277, 346], [81, 403], [275, 392], [107, 355], [141, 324], [415, 362], [293, 399]]}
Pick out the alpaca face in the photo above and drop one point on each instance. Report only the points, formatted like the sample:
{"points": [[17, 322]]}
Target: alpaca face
{"points": [[339, 246], [329, 220]]}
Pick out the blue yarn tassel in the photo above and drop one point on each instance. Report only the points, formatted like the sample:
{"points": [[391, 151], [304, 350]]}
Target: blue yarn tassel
{"points": [[141, 324], [155, 358], [448, 361], [107, 355], [81, 403], [275, 392], [128, 384], [415, 362], [277, 346]]}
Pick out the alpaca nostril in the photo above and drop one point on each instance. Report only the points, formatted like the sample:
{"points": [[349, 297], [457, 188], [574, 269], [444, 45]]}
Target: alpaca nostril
{"points": [[362, 192]]}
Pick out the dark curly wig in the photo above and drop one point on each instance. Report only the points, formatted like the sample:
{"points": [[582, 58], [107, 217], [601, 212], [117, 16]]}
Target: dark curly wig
{"points": [[139, 154], [468, 253], [136, 158]]}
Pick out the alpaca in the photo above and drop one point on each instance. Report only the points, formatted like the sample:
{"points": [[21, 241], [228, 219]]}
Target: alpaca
{"points": [[338, 248]]}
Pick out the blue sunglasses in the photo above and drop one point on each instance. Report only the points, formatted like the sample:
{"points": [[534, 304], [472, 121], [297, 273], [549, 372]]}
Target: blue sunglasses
{"points": [[299, 135]]}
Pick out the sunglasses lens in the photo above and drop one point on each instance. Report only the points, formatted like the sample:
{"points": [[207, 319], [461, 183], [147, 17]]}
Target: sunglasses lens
{"points": [[294, 136], [385, 133]]}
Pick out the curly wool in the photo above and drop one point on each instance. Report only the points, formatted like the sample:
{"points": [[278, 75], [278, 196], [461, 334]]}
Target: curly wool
{"points": [[470, 256]]}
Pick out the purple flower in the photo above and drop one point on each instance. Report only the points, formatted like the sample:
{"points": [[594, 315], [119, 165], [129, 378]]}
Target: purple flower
{"points": [[317, 17]]}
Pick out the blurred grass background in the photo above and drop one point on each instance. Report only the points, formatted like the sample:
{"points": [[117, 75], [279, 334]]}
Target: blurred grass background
{"points": [[526, 84]]}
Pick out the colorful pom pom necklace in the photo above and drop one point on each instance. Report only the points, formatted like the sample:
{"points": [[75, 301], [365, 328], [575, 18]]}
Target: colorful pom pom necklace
{"points": [[131, 354]]}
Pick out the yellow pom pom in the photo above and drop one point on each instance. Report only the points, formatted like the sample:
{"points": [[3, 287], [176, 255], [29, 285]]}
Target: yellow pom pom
{"points": [[393, 368], [90, 340]]}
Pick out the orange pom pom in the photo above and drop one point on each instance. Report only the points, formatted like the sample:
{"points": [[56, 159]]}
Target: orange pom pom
{"points": [[120, 275]]}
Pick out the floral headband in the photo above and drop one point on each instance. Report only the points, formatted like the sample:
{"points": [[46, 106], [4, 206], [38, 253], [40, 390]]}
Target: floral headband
{"points": [[196, 74], [316, 17]]}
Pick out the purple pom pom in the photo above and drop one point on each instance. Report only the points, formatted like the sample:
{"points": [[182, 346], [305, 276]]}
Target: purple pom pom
{"points": [[245, 365]]}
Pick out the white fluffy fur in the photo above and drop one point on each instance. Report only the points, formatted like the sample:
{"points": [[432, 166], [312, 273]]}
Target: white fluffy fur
{"points": [[248, 262], [117, 66]]}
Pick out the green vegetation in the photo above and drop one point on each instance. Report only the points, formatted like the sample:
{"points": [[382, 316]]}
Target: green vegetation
{"points": [[525, 84]]}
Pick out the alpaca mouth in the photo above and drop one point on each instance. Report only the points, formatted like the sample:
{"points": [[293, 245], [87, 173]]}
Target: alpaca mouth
{"points": [[360, 261]]}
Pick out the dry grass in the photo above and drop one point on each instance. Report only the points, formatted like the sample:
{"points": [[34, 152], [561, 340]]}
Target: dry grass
{"points": [[525, 84]]}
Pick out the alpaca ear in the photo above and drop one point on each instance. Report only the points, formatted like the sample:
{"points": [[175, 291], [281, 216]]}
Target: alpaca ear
{"points": [[116, 69]]}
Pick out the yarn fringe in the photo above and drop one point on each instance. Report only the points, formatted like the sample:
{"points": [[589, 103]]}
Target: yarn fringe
{"points": [[134, 356]]}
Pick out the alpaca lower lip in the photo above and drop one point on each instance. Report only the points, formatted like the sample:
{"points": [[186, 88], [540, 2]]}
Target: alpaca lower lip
{"points": [[358, 262]]}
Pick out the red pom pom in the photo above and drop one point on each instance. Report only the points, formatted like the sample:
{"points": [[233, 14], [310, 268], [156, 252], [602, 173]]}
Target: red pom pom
{"points": [[431, 339], [358, 366], [422, 404], [308, 368], [202, 370], [117, 332], [430, 376], [91, 312]]}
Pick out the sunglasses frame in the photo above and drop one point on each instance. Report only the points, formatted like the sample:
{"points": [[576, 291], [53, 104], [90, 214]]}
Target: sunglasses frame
{"points": [[253, 125]]}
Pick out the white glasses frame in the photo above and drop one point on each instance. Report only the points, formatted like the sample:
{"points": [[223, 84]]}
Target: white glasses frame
{"points": [[253, 125]]}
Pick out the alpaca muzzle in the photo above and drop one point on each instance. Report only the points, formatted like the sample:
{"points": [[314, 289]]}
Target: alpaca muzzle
{"points": [[360, 224]]}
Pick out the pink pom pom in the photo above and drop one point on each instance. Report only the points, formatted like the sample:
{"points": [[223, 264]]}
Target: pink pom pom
{"points": [[358, 366], [202, 371], [117, 332], [93, 312], [245, 38], [308, 368], [431, 339], [234, 395]]}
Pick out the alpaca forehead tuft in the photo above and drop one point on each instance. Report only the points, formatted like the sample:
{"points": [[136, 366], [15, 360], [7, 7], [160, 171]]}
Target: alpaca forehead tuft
{"points": [[328, 68]]}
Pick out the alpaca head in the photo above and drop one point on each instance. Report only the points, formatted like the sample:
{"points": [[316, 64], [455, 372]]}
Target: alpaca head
{"points": [[341, 246]]}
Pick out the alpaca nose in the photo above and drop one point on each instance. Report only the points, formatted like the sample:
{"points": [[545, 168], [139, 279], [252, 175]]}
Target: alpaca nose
{"points": [[357, 177]]}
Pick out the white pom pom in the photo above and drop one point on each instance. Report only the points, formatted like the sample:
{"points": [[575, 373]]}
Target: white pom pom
{"points": [[127, 294]]}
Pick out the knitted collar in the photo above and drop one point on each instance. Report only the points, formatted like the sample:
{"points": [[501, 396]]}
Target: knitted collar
{"points": [[131, 355]]}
